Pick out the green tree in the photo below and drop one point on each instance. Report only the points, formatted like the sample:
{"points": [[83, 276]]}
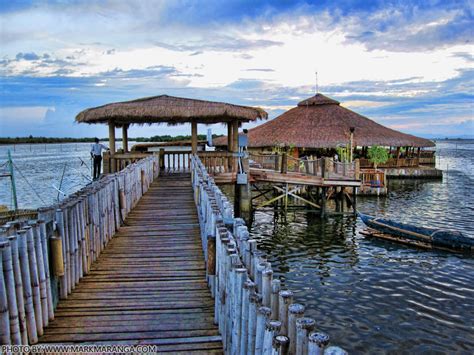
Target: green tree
{"points": [[377, 155]]}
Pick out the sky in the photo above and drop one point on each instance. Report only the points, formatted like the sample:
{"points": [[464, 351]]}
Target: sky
{"points": [[405, 64]]}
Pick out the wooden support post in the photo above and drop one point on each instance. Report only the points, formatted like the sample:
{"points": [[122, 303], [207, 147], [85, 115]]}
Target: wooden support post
{"points": [[194, 133], [323, 201], [280, 345], [284, 163], [230, 140], [125, 138], [112, 145], [9, 278]]}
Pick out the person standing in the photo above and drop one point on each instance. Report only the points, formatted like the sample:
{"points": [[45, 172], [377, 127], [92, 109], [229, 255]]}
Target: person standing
{"points": [[96, 155]]}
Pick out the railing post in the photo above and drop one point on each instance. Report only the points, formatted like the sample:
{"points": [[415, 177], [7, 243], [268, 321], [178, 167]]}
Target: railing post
{"points": [[284, 163]]}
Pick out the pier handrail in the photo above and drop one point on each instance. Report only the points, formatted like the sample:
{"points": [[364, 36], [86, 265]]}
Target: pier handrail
{"points": [[320, 167], [42, 261], [253, 313]]}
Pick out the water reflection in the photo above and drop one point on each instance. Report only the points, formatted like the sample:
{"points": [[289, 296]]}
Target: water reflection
{"points": [[374, 296]]}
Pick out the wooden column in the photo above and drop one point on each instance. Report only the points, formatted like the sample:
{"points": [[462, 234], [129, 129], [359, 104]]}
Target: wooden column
{"points": [[235, 142], [230, 141], [398, 154], [125, 138], [112, 146], [194, 137]]}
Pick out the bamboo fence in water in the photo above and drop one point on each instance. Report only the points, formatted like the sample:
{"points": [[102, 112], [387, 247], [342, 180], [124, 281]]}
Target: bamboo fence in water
{"points": [[254, 315], [42, 260]]}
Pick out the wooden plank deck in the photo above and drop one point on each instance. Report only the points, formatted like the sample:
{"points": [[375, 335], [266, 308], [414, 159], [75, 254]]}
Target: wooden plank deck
{"points": [[148, 286]]}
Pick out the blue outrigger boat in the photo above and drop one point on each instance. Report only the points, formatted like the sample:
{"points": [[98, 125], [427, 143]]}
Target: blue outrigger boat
{"points": [[431, 237]]}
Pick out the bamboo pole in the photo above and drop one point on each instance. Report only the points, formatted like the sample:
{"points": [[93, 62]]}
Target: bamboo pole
{"points": [[272, 328], [44, 247], [19, 288], [249, 288], [263, 315], [267, 277], [252, 326], [41, 274], [58, 258], [4, 304], [303, 327], [335, 350], [280, 345], [286, 298], [317, 342], [27, 289], [276, 287], [295, 311], [34, 279], [9, 278]]}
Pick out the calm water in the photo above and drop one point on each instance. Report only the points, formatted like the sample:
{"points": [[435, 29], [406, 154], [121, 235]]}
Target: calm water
{"points": [[371, 296]]}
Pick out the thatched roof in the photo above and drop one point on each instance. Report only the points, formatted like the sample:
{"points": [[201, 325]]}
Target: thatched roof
{"points": [[169, 109], [320, 122]]}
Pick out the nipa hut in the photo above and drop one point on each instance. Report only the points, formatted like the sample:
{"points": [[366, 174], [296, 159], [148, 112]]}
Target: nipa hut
{"points": [[172, 111], [321, 123]]}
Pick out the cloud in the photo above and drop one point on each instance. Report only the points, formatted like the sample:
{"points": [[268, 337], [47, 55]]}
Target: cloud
{"points": [[27, 56]]}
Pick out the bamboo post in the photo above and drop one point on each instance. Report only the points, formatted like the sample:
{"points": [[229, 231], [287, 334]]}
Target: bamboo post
{"points": [[317, 342], [27, 290], [267, 277], [295, 311], [280, 345], [4, 306], [286, 298], [241, 275], [263, 315], [276, 287], [335, 350], [41, 274], [272, 328], [248, 289], [35, 286], [254, 300], [19, 288], [303, 327], [9, 281]]}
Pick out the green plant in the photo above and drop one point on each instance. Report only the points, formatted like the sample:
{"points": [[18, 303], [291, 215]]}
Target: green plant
{"points": [[377, 155]]}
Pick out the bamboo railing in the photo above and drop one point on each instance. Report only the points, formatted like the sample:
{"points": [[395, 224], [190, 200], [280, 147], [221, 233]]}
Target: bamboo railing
{"points": [[320, 167], [373, 178], [391, 163], [253, 313], [42, 260]]}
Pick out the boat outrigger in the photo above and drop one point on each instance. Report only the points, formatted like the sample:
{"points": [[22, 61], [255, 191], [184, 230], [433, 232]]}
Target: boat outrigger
{"points": [[420, 236]]}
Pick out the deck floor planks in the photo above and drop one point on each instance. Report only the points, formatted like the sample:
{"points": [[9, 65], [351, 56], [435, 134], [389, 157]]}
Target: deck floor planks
{"points": [[148, 286]]}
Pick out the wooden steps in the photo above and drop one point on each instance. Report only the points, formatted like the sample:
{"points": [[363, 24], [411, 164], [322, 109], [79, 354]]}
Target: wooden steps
{"points": [[148, 286]]}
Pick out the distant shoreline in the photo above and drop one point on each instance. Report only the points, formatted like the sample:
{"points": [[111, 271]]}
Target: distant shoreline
{"points": [[52, 140]]}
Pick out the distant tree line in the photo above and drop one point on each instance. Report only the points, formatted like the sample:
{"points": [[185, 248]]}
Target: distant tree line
{"points": [[43, 140]]}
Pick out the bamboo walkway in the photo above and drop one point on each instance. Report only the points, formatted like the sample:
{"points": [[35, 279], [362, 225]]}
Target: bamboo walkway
{"points": [[149, 285]]}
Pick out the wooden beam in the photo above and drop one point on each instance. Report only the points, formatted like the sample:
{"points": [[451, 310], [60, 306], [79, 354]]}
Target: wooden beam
{"points": [[125, 138], [194, 137]]}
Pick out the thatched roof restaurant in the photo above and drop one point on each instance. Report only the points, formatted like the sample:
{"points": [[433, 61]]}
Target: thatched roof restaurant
{"points": [[173, 111], [321, 122]]}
